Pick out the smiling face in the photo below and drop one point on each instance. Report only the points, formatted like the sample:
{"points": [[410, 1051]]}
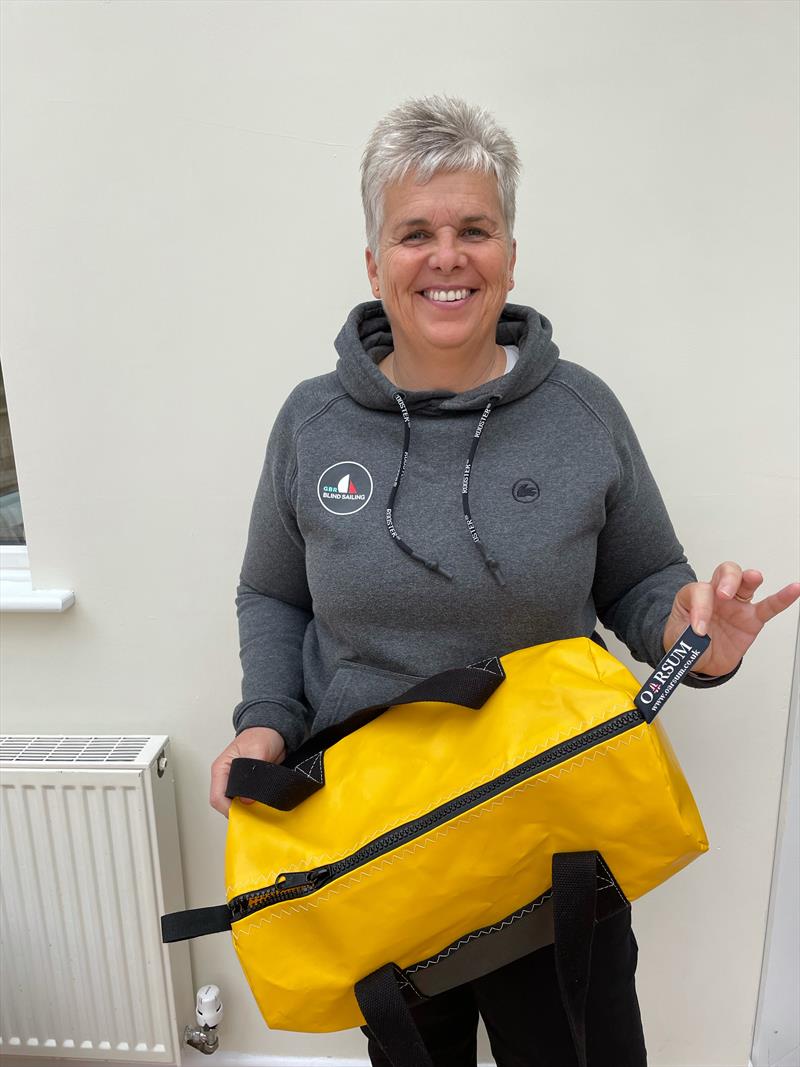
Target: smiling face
{"points": [[442, 238]]}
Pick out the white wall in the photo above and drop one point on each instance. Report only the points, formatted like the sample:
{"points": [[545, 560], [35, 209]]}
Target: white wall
{"points": [[183, 240], [777, 1032]]}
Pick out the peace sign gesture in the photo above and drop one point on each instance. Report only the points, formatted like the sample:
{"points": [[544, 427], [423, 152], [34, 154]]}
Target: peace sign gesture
{"points": [[723, 609]]}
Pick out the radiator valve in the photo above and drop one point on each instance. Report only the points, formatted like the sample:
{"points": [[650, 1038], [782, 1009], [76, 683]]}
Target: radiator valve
{"points": [[208, 1010]]}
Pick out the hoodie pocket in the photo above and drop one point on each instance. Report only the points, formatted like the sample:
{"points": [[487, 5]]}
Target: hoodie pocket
{"points": [[356, 686]]}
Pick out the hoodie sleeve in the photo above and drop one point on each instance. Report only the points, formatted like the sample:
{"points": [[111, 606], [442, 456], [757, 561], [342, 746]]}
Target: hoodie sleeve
{"points": [[640, 563], [273, 603]]}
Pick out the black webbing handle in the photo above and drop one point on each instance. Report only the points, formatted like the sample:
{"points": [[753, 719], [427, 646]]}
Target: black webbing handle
{"points": [[470, 687], [575, 880], [273, 784], [302, 773], [285, 785]]}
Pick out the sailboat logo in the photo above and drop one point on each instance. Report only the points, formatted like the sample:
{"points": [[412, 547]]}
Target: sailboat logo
{"points": [[345, 488]]}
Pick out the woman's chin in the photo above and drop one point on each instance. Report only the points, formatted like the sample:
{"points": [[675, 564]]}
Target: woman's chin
{"points": [[449, 335], [456, 329]]}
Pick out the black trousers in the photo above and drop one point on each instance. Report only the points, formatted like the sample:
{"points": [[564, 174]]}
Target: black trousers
{"points": [[521, 1007]]}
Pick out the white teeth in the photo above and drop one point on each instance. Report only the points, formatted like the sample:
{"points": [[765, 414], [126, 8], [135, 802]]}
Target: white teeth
{"points": [[443, 294]]}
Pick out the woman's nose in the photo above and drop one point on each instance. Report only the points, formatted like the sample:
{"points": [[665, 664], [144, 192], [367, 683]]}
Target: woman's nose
{"points": [[447, 255]]}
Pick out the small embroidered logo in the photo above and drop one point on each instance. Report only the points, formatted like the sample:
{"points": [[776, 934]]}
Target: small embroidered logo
{"points": [[344, 488], [525, 490]]}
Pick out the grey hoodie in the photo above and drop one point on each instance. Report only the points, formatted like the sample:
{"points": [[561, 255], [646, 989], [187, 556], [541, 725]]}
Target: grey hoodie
{"points": [[396, 534]]}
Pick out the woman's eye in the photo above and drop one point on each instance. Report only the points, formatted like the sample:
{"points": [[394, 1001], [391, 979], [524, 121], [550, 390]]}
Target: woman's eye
{"points": [[421, 233]]}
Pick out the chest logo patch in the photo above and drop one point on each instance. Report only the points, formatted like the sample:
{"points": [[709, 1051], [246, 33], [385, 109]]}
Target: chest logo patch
{"points": [[525, 490], [345, 488]]}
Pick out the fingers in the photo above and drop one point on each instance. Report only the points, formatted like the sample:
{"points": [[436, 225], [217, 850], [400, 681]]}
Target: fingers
{"points": [[700, 606], [742, 587], [220, 772], [726, 579], [729, 581], [258, 742], [771, 606], [220, 769]]}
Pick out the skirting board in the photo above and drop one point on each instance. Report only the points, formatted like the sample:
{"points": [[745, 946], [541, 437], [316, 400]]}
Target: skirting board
{"points": [[246, 1060], [243, 1060], [192, 1058]]}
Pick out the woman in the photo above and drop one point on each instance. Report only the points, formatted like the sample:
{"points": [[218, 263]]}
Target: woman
{"points": [[358, 577]]}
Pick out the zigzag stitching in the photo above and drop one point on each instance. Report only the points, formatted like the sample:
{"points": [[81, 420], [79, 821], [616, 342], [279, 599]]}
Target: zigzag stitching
{"points": [[358, 876], [327, 857], [442, 831], [480, 933], [603, 884]]}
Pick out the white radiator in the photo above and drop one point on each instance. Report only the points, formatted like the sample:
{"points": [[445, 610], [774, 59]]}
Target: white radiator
{"points": [[89, 862]]}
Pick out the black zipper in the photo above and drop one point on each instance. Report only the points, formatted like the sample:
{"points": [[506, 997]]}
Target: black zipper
{"points": [[301, 883]]}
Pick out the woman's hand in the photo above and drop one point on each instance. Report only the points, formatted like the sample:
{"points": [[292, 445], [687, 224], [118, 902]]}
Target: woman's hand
{"points": [[723, 609], [257, 742]]}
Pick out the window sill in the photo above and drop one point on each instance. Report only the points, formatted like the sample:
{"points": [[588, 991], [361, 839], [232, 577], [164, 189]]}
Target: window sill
{"points": [[16, 585]]}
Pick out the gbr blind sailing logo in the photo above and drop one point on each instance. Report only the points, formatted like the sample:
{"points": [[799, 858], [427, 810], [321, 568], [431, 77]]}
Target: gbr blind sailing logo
{"points": [[345, 488]]}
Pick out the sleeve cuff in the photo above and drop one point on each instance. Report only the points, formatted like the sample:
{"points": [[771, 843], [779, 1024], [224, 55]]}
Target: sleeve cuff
{"points": [[708, 681], [276, 717]]}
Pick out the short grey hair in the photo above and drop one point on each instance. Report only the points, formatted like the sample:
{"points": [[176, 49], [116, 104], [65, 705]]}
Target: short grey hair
{"points": [[432, 134]]}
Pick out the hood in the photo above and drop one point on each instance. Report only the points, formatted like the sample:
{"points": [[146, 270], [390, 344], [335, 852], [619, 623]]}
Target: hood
{"points": [[366, 338]]}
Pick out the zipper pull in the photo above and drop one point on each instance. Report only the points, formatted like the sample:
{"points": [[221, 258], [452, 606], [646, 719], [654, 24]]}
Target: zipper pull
{"points": [[289, 881], [300, 878]]}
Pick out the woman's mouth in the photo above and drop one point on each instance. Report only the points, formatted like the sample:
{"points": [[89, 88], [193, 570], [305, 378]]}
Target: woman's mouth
{"points": [[447, 299]]}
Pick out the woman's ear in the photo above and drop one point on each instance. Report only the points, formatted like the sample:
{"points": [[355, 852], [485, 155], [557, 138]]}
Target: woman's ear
{"points": [[372, 271]]}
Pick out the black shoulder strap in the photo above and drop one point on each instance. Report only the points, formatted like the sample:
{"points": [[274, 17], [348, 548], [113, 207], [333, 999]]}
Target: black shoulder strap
{"points": [[389, 1017], [575, 880], [574, 912]]}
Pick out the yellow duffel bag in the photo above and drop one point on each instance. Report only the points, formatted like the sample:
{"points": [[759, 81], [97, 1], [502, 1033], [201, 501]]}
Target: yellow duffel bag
{"points": [[488, 811]]}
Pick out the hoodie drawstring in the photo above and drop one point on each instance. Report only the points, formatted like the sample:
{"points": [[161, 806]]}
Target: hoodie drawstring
{"points": [[490, 561], [433, 565]]}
